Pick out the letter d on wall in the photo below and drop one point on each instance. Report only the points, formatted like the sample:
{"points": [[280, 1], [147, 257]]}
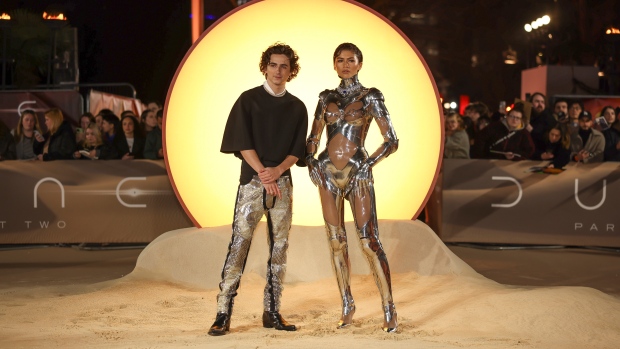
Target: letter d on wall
{"points": [[510, 179]]}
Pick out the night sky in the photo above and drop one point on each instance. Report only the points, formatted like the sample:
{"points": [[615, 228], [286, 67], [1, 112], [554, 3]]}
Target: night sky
{"points": [[142, 42], [137, 41]]}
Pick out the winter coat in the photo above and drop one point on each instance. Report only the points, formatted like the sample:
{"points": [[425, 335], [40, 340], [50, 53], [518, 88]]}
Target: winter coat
{"points": [[498, 138], [62, 143]]}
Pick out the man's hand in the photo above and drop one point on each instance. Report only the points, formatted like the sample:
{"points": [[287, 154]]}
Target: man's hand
{"points": [[509, 155], [270, 174], [582, 155], [273, 189], [529, 128], [160, 153]]}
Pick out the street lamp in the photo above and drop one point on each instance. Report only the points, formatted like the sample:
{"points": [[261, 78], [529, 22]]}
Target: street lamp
{"points": [[538, 23]]}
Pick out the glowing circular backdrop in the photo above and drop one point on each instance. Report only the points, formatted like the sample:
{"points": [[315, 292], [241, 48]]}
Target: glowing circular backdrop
{"points": [[224, 62]]}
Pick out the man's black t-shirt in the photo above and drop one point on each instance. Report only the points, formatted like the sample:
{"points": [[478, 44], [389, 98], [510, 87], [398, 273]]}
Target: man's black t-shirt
{"points": [[274, 127]]}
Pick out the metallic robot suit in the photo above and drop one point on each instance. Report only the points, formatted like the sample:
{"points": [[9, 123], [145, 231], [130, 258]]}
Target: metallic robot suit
{"points": [[344, 171]]}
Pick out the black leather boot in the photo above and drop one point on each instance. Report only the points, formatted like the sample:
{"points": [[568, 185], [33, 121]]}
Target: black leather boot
{"points": [[221, 325], [273, 319]]}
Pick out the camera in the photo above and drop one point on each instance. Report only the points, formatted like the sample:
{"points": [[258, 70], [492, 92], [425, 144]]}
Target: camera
{"points": [[562, 116], [602, 122]]}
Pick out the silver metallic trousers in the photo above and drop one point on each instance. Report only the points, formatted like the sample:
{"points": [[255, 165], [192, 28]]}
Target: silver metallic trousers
{"points": [[252, 203], [341, 184]]}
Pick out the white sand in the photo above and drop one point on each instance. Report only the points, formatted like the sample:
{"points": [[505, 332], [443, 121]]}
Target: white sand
{"points": [[169, 301]]}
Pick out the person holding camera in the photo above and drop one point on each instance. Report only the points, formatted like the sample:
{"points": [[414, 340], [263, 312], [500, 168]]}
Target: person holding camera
{"points": [[24, 135]]}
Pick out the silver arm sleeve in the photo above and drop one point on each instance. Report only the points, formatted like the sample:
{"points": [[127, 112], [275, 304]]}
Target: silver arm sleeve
{"points": [[376, 108]]}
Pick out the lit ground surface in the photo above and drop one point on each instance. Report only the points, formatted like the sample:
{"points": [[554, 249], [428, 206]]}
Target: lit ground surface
{"points": [[68, 298]]}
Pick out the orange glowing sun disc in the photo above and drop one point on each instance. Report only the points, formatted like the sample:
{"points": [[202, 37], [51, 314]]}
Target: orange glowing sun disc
{"points": [[224, 62]]}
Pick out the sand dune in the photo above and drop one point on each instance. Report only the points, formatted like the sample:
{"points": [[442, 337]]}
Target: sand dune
{"points": [[169, 301]]}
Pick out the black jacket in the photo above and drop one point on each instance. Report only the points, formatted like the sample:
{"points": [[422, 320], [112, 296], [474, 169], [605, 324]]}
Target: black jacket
{"points": [[120, 143], [498, 138], [7, 144], [612, 137], [104, 152], [62, 144], [561, 155]]}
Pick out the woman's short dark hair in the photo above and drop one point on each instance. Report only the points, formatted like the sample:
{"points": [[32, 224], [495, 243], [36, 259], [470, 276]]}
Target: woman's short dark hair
{"points": [[347, 46], [280, 49]]}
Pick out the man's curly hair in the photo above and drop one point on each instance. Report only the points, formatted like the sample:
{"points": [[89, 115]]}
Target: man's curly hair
{"points": [[280, 49]]}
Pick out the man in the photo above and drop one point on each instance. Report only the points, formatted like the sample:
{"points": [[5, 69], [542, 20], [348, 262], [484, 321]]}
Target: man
{"points": [[587, 144], [538, 102], [505, 139], [574, 110], [541, 121], [266, 129], [560, 109]]}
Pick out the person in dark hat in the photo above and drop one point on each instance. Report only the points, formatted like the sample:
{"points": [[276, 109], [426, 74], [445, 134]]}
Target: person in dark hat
{"points": [[587, 144]]}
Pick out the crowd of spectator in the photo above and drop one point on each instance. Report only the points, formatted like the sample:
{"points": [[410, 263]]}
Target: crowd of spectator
{"points": [[529, 130], [526, 131], [104, 136]]}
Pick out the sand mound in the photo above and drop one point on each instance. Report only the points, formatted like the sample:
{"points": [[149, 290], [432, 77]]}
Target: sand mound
{"points": [[441, 302], [194, 257]]}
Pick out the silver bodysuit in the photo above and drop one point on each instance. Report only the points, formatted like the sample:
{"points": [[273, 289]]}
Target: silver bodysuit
{"points": [[344, 171]]}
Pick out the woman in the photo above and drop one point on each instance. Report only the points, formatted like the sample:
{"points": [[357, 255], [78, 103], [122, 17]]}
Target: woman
{"points": [[24, 135], [85, 120], [612, 134], [344, 171], [457, 141], [58, 143], [130, 142], [557, 146], [148, 119], [94, 147]]}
